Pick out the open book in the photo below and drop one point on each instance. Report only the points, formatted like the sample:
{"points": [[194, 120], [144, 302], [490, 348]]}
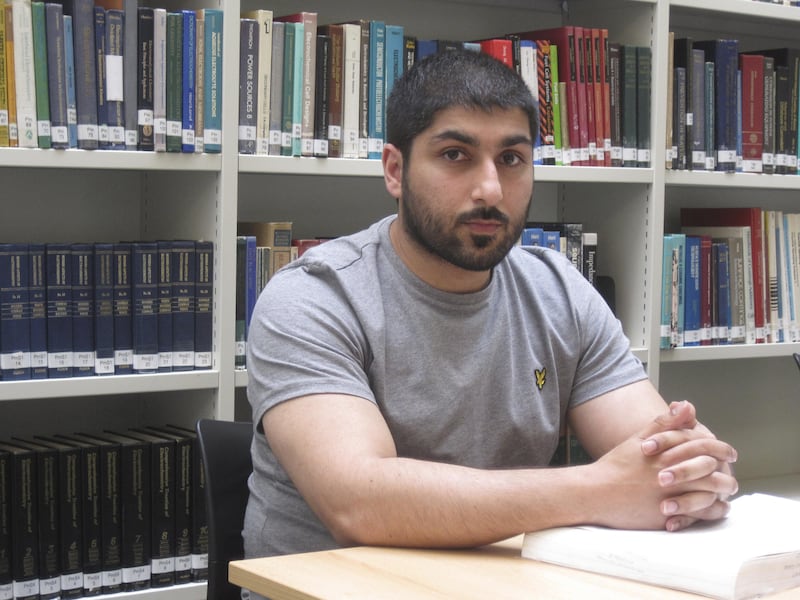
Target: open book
{"points": [[754, 551]]}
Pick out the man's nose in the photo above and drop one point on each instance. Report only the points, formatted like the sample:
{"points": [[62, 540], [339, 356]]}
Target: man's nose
{"points": [[487, 188]]}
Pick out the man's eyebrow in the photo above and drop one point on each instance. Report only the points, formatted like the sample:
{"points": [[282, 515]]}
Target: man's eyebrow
{"points": [[464, 138]]}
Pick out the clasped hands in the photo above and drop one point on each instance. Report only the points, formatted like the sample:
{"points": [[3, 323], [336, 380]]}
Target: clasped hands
{"points": [[685, 474]]}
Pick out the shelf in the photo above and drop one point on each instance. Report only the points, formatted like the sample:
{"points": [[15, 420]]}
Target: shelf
{"points": [[188, 591], [110, 385], [729, 352], [746, 8], [729, 180], [108, 160]]}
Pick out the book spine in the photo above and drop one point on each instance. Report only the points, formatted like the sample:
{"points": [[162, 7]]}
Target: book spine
{"points": [[644, 67], [114, 72], [377, 88], [123, 309], [264, 18], [24, 523], [212, 89], [38, 311], [296, 105], [309, 83], [69, 67], [692, 324], [544, 72], [160, 79], [174, 80], [395, 62], [199, 80], [723, 292], [711, 118], [697, 160], [752, 123], [104, 308], [47, 506], [591, 120], [4, 140], [83, 309], [85, 73], [276, 90], [130, 55], [628, 102], [144, 289], [363, 94], [287, 96], [189, 52], [204, 305], [351, 100], [39, 26], [100, 75], [24, 73], [558, 144], [596, 47], [679, 115], [322, 101], [110, 458], [11, 88], [240, 334], [164, 306], [615, 102], [248, 86], [605, 74], [15, 340], [144, 79], [183, 310], [768, 154], [59, 310], [6, 541]]}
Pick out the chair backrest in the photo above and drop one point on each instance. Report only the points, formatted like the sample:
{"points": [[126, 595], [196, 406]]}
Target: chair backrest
{"points": [[225, 449]]}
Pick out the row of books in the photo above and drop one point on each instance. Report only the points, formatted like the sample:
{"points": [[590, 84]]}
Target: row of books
{"points": [[782, 2], [95, 513], [731, 276], [307, 89], [110, 75], [96, 308], [733, 111], [568, 238]]}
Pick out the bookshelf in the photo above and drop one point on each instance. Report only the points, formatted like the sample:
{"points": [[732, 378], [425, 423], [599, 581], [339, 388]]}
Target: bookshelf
{"points": [[747, 394]]}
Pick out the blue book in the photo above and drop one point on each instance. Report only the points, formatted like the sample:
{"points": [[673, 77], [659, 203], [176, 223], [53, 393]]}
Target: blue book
{"points": [[240, 334], [58, 260], [212, 73], [114, 85], [294, 52], [204, 305], [15, 335], [725, 56], [38, 311], [721, 319], [83, 309], [104, 308], [188, 87], [100, 76], [532, 236], [377, 88], [251, 289], [123, 309], [69, 63], [692, 319], [82, 13], [552, 240], [183, 297], [395, 57], [739, 147], [165, 306], [144, 289], [669, 271], [56, 73]]}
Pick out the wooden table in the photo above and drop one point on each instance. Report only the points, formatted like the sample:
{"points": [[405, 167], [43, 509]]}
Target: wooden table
{"points": [[496, 571]]}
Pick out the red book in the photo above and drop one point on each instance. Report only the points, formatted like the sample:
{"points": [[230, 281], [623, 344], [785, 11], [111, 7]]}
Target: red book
{"points": [[752, 68], [570, 73], [739, 217], [602, 88], [501, 49]]}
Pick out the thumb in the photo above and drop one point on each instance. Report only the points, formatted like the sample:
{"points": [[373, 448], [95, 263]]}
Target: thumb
{"points": [[681, 415]]}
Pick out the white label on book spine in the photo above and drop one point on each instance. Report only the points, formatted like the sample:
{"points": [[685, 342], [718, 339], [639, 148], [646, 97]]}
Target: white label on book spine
{"points": [[92, 581], [136, 574], [72, 116], [247, 133], [43, 128], [162, 565], [307, 146], [131, 137], [320, 147], [768, 158], [102, 131], [144, 116], [123, 358], [187, 136], [286, 139], [689, 119], [15, 360], [50, 587], [145, 362], [72, 581], [736, 332], [752, 166], [3, 123], [58, 360], [698, 157], [199, 561], [202, 360], [643, 155], [24, 589], [88, 131], [174, 128], [7, 592], [116, 135], [334, 132], [114, 85], [159, 126], [726, 157], [792, 162], [165, 360], [710, 162], [183, 359], [183, 563], [262, 145], [38, 359], [213, 136], [83, 359], [274, 137], [112, 578], [629, 154]]}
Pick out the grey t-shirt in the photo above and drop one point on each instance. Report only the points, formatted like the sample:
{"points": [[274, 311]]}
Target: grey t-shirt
{"points": [[481, 379]]}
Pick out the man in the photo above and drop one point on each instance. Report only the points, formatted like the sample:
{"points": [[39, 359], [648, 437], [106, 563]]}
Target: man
{"points": [[411, 380]]}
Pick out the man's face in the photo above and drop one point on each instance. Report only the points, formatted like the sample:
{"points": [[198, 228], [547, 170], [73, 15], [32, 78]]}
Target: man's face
{"points": [[467, 185]]}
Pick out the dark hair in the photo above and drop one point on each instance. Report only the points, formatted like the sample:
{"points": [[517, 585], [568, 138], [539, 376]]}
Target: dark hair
{"points": [[453, 78]]}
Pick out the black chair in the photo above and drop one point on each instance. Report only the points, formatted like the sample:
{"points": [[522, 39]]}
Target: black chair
{"points": [[225, 449]]}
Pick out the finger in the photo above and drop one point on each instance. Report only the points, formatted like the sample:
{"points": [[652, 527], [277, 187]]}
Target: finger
{"points": [[677, 448], [681, 415], [718, 509], [700, 473]]}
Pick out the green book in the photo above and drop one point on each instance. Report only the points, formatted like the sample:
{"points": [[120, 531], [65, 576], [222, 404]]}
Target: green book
{"points": [[40, 74], [556, 104], [174, 80]]}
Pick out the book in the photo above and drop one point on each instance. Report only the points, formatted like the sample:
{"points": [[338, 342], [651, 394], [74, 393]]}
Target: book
{"points": [[240, 332], [129, 71], [69, 78], [114, 74], [123, 309], [204, 305], [628, 104], [39, 27], [100, 75], [291, 128], [753, 551], [644, 67], [276, 90], [321, 108], [248, 85], [59, 309], [83, 342], [174, 81], [144, 79], [768, 155], [188, 75], [4, 140], [145, 300], [160, 79], [15, 335], [351, 98], [614, 101], [103, 308], [696, 156], [212, 90], [6, 542], [199, 80], [264, 18], [164, 310], [787, 71], [335, 93], [184, 263], [679, 114], [24, 73], [10, 79], [82, 13], [752, 122], [38, 310]]}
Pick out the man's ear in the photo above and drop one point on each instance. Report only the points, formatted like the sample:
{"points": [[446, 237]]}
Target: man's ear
{"points": [[392, 160]]}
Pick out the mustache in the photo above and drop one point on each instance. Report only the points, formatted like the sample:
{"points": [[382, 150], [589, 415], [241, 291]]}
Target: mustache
{"points": [[485, 213]]}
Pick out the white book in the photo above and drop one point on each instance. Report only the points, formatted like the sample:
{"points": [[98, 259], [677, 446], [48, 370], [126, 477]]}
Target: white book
{"points": [[264, 77], [24, 74], [754, 551], [160, 79], [352, 90]]}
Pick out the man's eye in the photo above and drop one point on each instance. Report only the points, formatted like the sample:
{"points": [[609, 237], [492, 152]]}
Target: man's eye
{"points": [[453, 154], [510, 159]]}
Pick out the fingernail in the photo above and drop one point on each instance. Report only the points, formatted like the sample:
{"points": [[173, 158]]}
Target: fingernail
{"points": [[670, 507], [649, 446], [666, 477]]}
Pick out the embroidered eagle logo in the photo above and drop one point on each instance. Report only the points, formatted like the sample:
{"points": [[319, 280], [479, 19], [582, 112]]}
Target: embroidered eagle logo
{"points": [[541, 375]]}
